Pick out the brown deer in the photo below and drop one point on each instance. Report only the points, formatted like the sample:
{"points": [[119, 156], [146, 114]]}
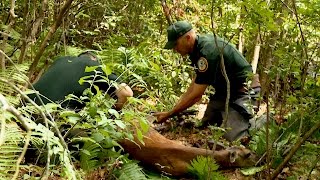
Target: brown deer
{"points": [[171, 157]]}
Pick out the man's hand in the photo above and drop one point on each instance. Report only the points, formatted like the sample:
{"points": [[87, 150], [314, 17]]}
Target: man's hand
{"points": [[123, 92], [193, 95], [162, 116]]}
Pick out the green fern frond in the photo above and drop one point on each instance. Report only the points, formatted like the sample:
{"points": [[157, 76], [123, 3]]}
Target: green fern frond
{"points": [[12, 75], [10, 150], [28, 111], [89, 155], [130, 171], [41, 135], [205, 168]]}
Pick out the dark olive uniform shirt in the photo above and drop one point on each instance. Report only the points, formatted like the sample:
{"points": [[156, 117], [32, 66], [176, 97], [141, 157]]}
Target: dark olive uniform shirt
{"points": [[206, 60], [62, 79]]}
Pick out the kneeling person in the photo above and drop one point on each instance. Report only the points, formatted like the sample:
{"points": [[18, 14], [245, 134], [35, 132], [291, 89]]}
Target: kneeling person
{"points": [[62, 79], [205, 53]]}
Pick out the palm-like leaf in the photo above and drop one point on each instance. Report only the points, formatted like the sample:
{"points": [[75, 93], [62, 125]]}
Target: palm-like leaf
{"points": [[16, 77], [205, 168], [10, 150], [130, 171]]}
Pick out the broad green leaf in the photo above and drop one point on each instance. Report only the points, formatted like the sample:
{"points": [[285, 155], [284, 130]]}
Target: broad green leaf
{"points": [[83, 15], [103, 122], [105, 133], [98, 137], [92, 111], [50, 107], [120, 124], [106, 69], [140, 136], [69, 113], [114, 112], [90, 68], [85, 152], [252, 170], [155, 66], [137, 76], [98, 92], [292, 99], [73, 119], [81, 81], [85, 79], [144, 126], [115, 143]]}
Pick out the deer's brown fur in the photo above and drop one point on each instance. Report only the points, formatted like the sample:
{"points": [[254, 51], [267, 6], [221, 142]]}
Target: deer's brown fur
{"points": [[172, 157]]}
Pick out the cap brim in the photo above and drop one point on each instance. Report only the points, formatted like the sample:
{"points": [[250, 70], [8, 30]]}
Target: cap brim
{"points": [[170, 45]]}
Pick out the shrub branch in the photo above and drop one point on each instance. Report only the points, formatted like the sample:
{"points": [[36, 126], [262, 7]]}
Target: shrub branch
{"points": [[300, 141]]}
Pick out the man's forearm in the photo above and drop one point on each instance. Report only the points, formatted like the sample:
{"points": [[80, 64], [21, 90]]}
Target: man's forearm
{"points": [[183, 104], [189, 98]]}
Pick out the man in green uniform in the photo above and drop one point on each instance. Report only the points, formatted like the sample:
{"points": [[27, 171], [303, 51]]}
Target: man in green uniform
{"points": [[205, 53], [62, 79]]}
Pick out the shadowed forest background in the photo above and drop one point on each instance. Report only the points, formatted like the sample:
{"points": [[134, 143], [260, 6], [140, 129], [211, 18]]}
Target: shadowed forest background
{"points": [[128, 36]]}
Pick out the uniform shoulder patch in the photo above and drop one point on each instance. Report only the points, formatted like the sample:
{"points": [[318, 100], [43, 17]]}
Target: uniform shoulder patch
{"points": [[202, 64]]}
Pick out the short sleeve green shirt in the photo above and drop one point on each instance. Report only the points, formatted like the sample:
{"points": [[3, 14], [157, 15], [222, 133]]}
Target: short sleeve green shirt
{"points": [[206, 60], [62, 78]]}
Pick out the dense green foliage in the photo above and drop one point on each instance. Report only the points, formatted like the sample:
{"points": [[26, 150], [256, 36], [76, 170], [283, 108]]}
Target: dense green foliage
{"points": [[128, 37]]}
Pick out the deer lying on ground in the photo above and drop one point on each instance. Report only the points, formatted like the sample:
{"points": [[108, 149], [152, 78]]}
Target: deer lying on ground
{"points": [[171, 157]]}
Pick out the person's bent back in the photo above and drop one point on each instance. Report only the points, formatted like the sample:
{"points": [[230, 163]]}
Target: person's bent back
{"points": [[62, 79]]}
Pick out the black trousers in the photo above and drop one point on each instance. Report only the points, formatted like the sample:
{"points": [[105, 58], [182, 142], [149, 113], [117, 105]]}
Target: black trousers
{"points": [[241, 110]]}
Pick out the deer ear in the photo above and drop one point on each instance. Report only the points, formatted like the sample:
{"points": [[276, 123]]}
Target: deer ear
{"points": [[233, 155]]}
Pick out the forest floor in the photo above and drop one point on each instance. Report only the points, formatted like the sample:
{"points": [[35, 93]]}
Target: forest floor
{"points": [[183, 129]]}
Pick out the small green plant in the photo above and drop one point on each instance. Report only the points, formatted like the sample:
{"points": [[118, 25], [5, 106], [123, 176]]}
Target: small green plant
{"points": [[130, 171], [205, 168], [9, 149]]}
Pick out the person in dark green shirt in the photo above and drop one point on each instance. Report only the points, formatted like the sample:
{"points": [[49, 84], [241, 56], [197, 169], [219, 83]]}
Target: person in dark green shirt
{"points": [[62, 78], [205, 53]]}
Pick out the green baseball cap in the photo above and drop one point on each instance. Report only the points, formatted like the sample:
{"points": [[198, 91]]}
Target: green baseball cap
{"points": [[175, 31]]}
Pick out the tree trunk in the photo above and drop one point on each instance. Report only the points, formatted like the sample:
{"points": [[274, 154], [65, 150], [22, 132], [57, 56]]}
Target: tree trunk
{"points": [[241, 28], [255, 59], [3, 46], [241, 42], [24, 38], [166, 11], [6, 35], [52, 30]]}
